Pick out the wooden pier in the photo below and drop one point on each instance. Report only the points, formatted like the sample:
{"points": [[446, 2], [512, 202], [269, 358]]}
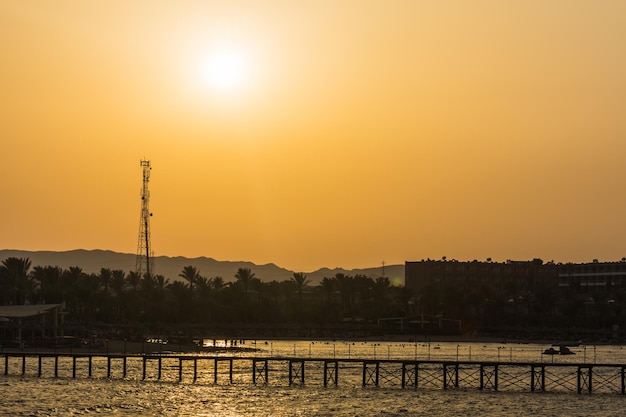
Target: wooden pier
{"points": [[404, 374]]}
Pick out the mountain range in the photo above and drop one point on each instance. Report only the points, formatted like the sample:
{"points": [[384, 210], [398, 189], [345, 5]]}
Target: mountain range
{"points": [[91, 261]]}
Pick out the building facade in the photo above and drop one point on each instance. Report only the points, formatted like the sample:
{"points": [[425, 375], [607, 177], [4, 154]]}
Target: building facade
{"points": [[593, 278], [523, 299], [500, 276], [571, 278]]}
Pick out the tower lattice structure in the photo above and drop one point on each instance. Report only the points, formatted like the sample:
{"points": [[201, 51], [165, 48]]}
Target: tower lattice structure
{"points": [[144, 249]]}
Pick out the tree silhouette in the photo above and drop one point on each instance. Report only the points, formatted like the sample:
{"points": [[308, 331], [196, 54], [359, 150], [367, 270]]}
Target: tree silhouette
{"points": [[15, 272], [161, 281], [179, 301], [218, 283], [49, 283], [105, 279], [124, 303], [191, 275], [133, 278], [244, 277], [380, 291], [118, 287], [345, 285], [301, 281], [328, 288]]}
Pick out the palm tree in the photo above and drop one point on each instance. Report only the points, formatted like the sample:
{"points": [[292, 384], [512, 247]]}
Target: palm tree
{"points": [[6, 287], [49, 279], [203, 282], [244, 277], [88, 292], [105, 279], [118, 286], [380, 289], [147, 284], [16, 277], [134, 304], [161, 281], [328, 287], [345, 285], [118, 282], [73, 281], [179, 301], [134, 278], [218, 283], [191, 275], [155, 303], [202, 302], [301, 281]]}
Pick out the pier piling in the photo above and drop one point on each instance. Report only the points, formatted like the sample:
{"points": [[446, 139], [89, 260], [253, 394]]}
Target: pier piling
{"points": [[259, 370], [331, 373], [371, 376], [296, 371]]}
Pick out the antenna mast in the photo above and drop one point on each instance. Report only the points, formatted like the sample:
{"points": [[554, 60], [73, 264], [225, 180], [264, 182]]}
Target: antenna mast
{"points": [[144, 250]]}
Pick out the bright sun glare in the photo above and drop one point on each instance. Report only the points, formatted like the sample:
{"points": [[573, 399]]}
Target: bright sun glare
{"points": [[226, 70]]}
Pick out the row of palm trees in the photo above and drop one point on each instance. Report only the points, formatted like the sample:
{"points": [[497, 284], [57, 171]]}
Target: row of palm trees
{"points": [[116, 298], [119, 298]]}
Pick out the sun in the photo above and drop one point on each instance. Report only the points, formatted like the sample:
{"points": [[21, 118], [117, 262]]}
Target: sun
{"points": [[226, 70]]}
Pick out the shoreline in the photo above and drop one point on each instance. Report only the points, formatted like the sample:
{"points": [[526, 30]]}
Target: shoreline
{"points": [[123, 347]]}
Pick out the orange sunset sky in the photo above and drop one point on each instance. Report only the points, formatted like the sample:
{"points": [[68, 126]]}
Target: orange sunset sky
{"points": [[316, 133]]}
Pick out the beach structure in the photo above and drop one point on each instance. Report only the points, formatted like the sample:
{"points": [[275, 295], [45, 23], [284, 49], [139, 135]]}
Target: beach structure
{"points": [[581, 378], [44, 319]]}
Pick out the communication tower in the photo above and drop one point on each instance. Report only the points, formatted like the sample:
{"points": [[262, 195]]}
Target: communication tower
{"points": [[144, 249]]}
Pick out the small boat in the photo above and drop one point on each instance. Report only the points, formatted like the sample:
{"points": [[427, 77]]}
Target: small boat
{"points": [[563, 350]]}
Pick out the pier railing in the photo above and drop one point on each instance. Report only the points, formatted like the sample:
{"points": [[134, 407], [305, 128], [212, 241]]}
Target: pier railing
{"points": [[403, 374]]}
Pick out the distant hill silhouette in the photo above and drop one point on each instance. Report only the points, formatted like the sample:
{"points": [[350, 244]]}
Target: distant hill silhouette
{"points": [[91, 261]]}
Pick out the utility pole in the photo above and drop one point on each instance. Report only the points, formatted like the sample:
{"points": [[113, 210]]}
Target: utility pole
{"points": [[144, 249]]}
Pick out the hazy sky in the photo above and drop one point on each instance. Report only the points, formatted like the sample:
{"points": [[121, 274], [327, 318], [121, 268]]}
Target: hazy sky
{"points": [[316, 133]]}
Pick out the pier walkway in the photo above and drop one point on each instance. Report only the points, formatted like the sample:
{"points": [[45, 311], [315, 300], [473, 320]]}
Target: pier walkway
{"points": [[581, 378]]}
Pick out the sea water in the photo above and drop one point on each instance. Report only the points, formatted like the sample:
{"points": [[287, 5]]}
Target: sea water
{"points": [[30, 395]]}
